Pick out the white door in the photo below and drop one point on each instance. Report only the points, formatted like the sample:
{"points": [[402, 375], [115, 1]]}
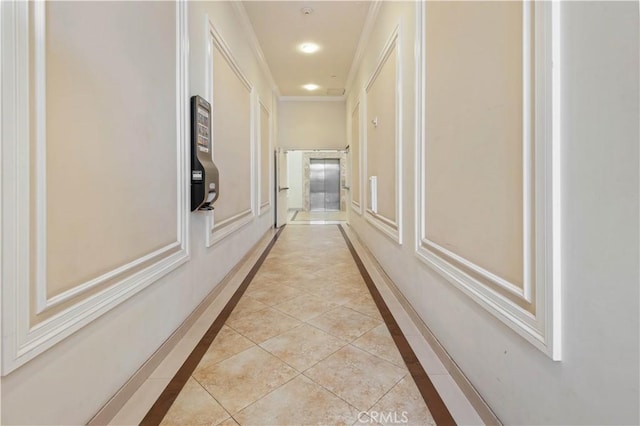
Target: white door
{"points": [[282, 187]]}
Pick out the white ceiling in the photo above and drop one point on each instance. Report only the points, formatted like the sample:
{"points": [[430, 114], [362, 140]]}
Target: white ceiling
{"points": [[281, 27]]}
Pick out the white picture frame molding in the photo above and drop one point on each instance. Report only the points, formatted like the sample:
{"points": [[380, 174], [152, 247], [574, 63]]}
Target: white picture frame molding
{"points": [[264, 206], [390, 228], [356, 205], [217, 231], [22, 340], [541, 190]]}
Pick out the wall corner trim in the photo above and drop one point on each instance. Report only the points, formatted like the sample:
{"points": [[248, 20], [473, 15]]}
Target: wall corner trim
{"points": [[241, 13], [367, 29]]}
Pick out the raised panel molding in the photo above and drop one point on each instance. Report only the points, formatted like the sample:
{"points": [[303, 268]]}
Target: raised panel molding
{"points": [[390, 228], [218, 230], [540, 323], [22, 339], [266, 205], [356, 204]]}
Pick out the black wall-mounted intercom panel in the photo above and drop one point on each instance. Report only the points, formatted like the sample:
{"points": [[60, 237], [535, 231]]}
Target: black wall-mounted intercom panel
{"points": [[204, 174]]}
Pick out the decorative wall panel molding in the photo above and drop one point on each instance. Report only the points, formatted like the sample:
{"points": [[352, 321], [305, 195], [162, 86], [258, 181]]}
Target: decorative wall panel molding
{"points": [[244, 210], [391, 227], [530, 305], [34, 317], [355, 124], [265, 148]]}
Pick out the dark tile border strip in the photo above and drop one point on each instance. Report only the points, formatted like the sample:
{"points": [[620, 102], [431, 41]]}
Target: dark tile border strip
{"points": [[436, 406], [294, 215], [159, 409]]}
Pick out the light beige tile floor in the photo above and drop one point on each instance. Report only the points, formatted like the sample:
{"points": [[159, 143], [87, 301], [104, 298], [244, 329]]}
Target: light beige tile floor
{"points": [[317, 218], [303, 216], [304, 345]]}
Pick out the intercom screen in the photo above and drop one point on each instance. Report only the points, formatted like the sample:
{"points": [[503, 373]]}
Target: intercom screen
{"points": [[204, 138]]}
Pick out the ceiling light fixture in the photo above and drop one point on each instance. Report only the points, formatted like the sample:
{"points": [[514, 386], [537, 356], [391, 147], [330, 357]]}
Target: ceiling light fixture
{"points": [[306, 11], [309, 47], [310, 87]]}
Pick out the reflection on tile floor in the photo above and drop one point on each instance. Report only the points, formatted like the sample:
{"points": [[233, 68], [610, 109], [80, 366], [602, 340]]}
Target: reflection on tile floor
{"points": [[305, 345], [318, 217]]}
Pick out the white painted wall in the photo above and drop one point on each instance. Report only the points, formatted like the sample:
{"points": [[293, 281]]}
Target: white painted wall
{"points": [[597, 380], [296, 178], [312, 125], [70, 382]]}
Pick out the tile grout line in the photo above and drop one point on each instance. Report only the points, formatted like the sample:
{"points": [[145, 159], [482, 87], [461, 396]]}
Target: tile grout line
{"points": [[329, 390], [346, 343], [434, 402], [349, 343], [258, 344], [403, 366], [268, 393], [279, 334], [302, 322], [273, 390], [214, 398], [160, 408], [390, 389]]}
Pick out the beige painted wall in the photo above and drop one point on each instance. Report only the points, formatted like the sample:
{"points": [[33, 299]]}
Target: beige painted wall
{"points": [[354, 154], [265, 155], [600, 210], [98, 220], [312, 125], [71, 381], [231, 138], [474, 168], [380, 138]]}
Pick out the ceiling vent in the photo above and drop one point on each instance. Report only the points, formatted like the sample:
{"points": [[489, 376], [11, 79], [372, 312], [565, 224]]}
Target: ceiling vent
{"points": [[335, 92]]}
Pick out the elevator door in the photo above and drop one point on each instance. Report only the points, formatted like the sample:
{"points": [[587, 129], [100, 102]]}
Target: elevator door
{"points": [[324, 184]]}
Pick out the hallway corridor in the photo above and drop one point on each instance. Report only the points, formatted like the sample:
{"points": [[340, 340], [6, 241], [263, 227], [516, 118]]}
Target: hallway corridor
{"points": [[305, 344], [327, 212]]}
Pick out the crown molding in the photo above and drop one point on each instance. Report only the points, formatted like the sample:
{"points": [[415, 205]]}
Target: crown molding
{"points": [[312, 98], [241, 13], [367, 29]]}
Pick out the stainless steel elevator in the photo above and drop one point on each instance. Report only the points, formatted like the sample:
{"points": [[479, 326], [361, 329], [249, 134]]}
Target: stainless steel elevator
{"points": [[324, 184]]}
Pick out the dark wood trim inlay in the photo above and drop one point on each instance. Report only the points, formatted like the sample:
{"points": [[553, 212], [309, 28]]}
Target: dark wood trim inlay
{"points": [[159, 409], [436, 406]]}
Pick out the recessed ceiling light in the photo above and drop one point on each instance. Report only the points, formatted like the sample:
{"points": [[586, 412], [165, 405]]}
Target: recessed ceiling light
{"points": [[309, 47], [306, 11], [311, 86]]}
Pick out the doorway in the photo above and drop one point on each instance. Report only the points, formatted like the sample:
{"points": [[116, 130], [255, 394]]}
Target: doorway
{"points": [[324, 184]]}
